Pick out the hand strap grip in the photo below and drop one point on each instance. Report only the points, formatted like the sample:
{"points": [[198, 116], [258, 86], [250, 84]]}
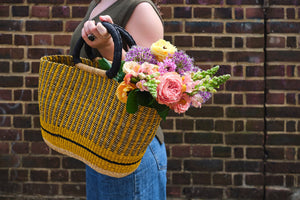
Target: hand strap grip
{"points": [[118, 35]]}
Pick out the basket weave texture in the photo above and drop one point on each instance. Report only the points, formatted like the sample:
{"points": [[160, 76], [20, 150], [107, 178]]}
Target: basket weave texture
{"points": [[81, 117]]}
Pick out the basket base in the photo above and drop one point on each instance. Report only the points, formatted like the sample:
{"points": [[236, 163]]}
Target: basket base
{"points": [[95, 167]]}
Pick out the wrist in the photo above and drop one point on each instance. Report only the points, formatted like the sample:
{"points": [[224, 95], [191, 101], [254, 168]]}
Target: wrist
{"points": [[106, 49]]}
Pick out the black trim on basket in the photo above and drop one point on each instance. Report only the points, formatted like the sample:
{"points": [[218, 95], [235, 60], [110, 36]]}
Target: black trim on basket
{"points": [[80, 145]]}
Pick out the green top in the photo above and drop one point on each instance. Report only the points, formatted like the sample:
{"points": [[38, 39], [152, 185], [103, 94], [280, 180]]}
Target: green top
{"points": [[120, 12]]}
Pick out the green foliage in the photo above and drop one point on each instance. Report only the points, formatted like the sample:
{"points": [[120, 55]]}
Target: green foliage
{"points": [[137, 97]]}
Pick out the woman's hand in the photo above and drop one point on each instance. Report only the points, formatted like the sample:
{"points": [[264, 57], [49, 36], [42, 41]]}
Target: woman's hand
{"points": [[101, 36], [103, 41]]}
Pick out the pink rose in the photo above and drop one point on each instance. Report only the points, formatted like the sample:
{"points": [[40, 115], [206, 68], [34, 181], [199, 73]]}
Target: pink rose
{"points": [[147, 68], [196, 100], [183, 105], [169, 90]]}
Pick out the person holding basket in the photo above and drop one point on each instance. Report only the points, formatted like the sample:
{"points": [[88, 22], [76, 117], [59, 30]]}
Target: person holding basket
{"points": [[142, 20]]}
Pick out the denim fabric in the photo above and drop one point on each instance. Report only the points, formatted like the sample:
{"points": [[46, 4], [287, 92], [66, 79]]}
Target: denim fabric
{"points": [[148, 182]]}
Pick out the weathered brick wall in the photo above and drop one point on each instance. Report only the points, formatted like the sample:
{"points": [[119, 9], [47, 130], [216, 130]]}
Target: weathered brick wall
{"points": [[243, 144]]}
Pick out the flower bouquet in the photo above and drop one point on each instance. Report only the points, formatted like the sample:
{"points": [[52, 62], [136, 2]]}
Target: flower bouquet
{"points": [[164, 78]]}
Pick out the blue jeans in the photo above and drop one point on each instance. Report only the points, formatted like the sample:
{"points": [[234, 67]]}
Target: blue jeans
{"points": [[147, 182]]}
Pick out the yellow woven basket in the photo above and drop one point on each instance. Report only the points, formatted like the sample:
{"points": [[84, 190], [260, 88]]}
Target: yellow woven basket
{"points": [[81, 117]]}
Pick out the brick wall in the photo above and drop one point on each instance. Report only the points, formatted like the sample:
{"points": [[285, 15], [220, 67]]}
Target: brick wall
{"points": [[243, 144]]}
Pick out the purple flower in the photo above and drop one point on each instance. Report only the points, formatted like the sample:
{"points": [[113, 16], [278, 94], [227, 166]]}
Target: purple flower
{"points": [[205, 95], [140, 55], [167, 66], [183, 62]]}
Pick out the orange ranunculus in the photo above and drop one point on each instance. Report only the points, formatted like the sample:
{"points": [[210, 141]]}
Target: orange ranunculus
{"points": [[123, 90]]}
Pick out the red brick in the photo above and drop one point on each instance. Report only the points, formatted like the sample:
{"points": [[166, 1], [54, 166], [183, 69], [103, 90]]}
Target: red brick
{"points": [[204, 27], [283, 27], [205, 2], [4, 148], [78, 1], [10, 25], [78, 176], [73, 189], [19, 175], [43, 1], [20, 148], [23, 40], [40, 11], [62, 40], [225, 42], [183, 41], [60, 12], [5, 121], [239, 13], [5, 39], [59, 175], [71, 26], [203, 41], [254, 13], [255, 99], [4, 11], [10, 161], [223, 13], [12, 53], [40, 162], [31, 82], [44, 26], [255, 125], [244, 27], [244, 2], [39, 175], [79, 11], [290, 13], [202, 13], [40, 189], [276, 42], [245, 56], [255, 42], [182, 12], [182, 178], [202, 151], [20, 11], [39, 148], [202, 193], [254, 180], [181, 151], [42, 40], [275, 98], [222, 179], [201, 178], [22, 95], [206, 56]]}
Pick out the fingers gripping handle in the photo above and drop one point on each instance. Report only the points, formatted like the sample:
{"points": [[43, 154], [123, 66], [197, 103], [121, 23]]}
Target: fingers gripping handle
{"points": [[116, 36]]}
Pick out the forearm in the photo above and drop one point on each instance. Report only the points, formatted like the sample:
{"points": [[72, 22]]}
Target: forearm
{"points": [[107, 51]]}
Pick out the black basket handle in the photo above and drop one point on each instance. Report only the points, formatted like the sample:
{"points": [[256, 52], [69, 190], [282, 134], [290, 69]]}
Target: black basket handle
{"points": [[118, 35]]}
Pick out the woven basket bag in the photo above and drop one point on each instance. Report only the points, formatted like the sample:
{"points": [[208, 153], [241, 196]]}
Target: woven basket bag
{"points": [[81, 116]]}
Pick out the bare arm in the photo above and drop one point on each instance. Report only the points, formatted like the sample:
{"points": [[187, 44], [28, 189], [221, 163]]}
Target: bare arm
{"points": [[144, 25]]}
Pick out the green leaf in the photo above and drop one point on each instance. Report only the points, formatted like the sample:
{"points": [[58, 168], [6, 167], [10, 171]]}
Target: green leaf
{"points": [[132, 103], [120, 75], [144, 98], [104, 64], [161, 109]]}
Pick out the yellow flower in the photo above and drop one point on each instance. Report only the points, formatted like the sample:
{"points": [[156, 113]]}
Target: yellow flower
{"points": [[123, 90], [161, 49]]}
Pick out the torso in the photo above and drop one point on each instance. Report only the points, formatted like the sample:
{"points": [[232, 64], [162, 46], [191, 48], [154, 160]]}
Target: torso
{"points": [[101, 6]]}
